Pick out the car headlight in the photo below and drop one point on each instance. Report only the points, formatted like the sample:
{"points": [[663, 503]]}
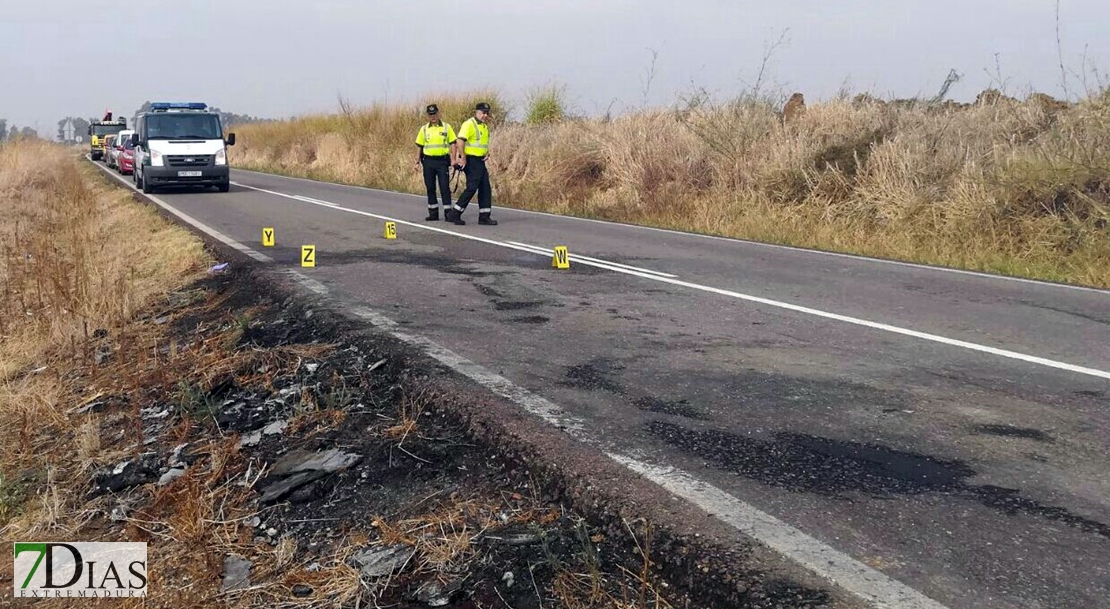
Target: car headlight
{"points": [[221, 157], [155, 158]]}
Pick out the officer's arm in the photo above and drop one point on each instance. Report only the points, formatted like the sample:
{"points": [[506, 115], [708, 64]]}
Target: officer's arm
{"points": [[460, 146], [420, 147]]}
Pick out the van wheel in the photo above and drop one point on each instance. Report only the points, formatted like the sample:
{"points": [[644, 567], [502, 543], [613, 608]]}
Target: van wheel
{"points": [[143, 184], [224, 186]]}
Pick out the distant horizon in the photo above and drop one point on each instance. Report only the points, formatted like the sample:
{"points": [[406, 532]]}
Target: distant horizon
{"points": [[517, 108], [281, 58]]}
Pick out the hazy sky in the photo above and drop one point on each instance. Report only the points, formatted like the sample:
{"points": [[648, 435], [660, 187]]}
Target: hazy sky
{"points": [[278, 58]]}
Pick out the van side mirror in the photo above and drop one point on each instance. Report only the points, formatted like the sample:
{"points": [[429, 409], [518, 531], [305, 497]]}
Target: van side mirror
{"points": [[231, 139], [134, 139]]}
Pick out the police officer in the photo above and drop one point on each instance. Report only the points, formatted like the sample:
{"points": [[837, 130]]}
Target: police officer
{"points": [[436, 144], [470, 156]]}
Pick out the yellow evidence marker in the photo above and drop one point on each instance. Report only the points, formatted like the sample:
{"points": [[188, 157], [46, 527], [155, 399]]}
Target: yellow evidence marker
{"points": [[308, 255], [267, 237], [561, 259], [390, 230]]}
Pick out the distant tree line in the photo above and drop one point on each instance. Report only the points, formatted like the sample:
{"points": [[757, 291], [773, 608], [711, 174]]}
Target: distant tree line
{"points": [[81, 125], [13, 132]]}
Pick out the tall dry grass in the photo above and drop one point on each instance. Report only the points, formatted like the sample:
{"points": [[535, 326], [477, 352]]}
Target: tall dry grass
{"points": [[77, 258], [1019, 188]]}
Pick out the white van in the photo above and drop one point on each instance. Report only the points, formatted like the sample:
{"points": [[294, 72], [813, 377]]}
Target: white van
{"points": [[180, 144]]}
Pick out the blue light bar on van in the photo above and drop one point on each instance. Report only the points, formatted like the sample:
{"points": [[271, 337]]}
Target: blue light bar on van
{"points": [[178, 106]]}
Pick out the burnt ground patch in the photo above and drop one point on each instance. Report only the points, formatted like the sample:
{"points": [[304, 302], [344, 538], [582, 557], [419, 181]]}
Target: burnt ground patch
{"points": [[330, 442], [762, 389], [812, 464], [530, 319], [602, 374], [516, 305], [594, 375], [681, 408], [441, 262], [1010, 431]]}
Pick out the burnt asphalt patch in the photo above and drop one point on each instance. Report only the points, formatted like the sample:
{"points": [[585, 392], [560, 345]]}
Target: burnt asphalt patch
{"points": [[1010, 431], [680, 408], [811, 464], [595, 375]]}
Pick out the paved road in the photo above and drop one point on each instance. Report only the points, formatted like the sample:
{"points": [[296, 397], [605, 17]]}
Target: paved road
{"points": [[949, 430]]}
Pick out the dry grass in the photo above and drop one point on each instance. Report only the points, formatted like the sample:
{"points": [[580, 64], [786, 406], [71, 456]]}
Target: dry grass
{"points": [[78, 257], [1019, 188]]}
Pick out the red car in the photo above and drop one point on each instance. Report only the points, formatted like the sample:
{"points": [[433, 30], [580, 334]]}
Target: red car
{"points": [[125, 161]]}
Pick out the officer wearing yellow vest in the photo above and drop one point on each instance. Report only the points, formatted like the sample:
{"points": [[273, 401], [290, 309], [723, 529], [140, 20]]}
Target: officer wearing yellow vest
{"points": [[436, 144], [470, 156]]}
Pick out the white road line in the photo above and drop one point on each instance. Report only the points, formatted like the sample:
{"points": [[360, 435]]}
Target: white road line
{"points": [[1031, 359], [531, 249], [791, 248], [222, 238], [572, 256], [307, 199], [854, 577]]}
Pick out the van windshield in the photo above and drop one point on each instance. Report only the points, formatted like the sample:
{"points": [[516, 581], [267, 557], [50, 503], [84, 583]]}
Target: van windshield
{"points": [[183, 127]]}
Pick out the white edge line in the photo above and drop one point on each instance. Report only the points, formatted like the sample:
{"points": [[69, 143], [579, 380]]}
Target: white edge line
{"points": [[792, 248], [572, 256], [222, 238], [531, 249], [1031, 359], [870, 585], [302, 198]]}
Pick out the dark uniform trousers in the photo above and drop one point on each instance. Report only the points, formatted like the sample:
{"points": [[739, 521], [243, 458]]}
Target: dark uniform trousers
{"points": [[477, 181], [437, 170]]}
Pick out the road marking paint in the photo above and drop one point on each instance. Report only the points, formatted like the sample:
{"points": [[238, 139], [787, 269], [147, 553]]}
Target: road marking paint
{"points": [[541, 250], [222, 238], [868, 584], [305, 199], [532, 249], [791, 248], [1014, 355]]}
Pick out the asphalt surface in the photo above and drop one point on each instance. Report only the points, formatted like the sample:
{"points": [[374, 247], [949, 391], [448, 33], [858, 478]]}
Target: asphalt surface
{"points": [[950, 430]]}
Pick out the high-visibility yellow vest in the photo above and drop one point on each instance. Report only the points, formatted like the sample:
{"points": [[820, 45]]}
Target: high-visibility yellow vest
{"points": [[436, 139], [477, 137]]}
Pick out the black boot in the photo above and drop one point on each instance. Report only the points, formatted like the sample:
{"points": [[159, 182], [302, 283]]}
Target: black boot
{"points": [[487, 220], [456, 217], [433, 214]]}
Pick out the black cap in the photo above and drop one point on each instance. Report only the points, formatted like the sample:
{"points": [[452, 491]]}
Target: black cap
{"points": [[482, 106], [432, 109]]}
